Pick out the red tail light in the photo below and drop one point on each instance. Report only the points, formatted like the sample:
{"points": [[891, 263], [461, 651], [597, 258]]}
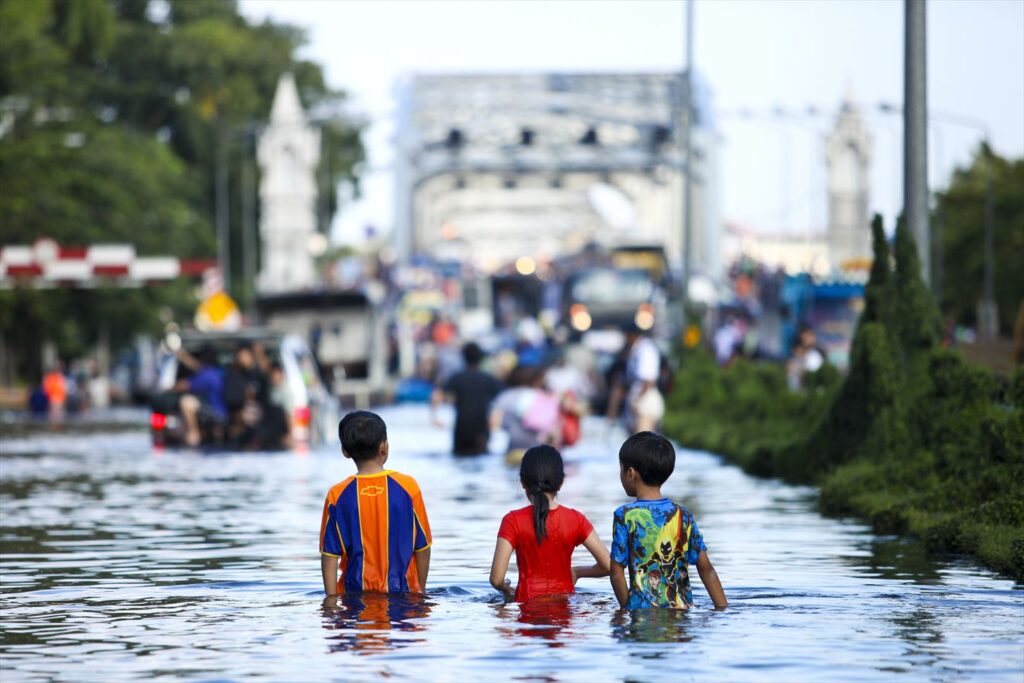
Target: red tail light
{"points": [[157, 421], [301, 417]]}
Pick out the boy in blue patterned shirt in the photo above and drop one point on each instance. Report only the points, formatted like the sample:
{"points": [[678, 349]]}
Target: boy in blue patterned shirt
{"points": [[654, 538]]}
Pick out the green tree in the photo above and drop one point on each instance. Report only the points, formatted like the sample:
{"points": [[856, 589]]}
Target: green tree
{"points": [[878, 293], [915, 326], [865, 416], [111, 117], [81, 183], [217, 76], [960, 211]]}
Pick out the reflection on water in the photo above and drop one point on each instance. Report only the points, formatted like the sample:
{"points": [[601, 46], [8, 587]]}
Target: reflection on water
{"points": [[548, 617], [652, 626], [373, 622], [899, 559], [118, 562]]}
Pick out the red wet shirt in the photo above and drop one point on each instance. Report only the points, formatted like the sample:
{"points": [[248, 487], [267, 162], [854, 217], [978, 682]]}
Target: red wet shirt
{"points": [[544, 569]]}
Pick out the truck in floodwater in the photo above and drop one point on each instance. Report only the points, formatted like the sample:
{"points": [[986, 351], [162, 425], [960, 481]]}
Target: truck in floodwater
{"points": [[632, 287], [605, 297]]}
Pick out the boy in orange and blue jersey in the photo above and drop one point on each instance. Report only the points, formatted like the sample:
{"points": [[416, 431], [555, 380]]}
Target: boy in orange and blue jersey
{"points": [[374, 523]]}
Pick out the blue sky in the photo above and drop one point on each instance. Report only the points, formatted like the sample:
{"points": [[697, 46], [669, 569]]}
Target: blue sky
{"points": [[760, 55]]}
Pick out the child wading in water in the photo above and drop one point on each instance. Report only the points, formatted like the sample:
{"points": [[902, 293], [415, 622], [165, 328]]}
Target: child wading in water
{"points": [[374, 523], [544, 534], [653, 537]]}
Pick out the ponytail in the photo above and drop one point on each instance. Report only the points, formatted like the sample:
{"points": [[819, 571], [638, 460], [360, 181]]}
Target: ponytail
{"points": [[541, 472], [541, 507]]}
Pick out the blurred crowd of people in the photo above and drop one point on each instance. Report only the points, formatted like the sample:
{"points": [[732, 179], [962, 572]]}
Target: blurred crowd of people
{"points": [[737, 338], [538, 389], [70, 390]]}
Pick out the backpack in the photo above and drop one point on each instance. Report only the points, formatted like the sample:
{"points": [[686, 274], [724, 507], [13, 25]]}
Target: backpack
{"points": [[570, 428], [543, 413]]}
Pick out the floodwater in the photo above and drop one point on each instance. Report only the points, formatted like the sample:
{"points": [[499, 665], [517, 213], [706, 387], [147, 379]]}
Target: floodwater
{"points": [[120, 562]]}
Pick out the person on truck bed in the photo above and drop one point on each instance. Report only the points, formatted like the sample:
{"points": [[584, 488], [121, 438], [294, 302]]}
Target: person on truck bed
{"points": [[203, 400]]}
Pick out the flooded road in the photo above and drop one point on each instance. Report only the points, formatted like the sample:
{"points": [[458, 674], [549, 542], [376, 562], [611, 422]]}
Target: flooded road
{"points": [[121, 563]]}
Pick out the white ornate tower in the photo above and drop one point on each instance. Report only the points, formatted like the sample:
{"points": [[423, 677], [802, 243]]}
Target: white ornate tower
{"points": [[289, 151], [848, 154]]}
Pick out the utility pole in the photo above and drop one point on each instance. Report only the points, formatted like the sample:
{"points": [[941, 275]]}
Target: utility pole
{"points": [[688, 149], [915, 130], [989, 312], [939, 225], [220, 187], [249, 237]]}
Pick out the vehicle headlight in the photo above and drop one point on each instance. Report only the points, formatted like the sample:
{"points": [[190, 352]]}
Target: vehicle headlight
{"points": [[580, 318], [644, 316]]}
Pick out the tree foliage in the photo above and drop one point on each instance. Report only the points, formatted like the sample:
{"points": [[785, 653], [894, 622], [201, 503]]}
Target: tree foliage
{"points": [[960, 221], [112, 115]]}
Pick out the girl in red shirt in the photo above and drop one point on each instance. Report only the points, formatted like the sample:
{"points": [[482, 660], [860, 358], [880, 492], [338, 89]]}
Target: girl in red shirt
{"points": [[544, 534]]}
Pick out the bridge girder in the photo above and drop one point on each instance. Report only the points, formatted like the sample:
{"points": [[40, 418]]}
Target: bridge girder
{"points": [[495, 134]]}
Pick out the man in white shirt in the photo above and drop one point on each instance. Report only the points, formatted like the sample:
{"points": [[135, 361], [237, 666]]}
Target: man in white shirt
{"points": [[645, 405]]}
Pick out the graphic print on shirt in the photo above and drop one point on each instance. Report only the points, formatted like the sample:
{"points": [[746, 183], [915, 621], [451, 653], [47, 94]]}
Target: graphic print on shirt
{"points": [[662, 576], [656, 542]]}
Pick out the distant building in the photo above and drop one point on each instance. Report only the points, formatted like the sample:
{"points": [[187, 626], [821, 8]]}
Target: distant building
{"points": [[848, 155], [492, 167], [288, 153], [843, 251]]}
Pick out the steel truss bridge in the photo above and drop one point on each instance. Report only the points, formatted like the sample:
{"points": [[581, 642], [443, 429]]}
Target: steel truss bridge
{"points": [[493, 166]]}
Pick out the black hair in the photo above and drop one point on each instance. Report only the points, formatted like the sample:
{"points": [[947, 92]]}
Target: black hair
{"points": [[244, 346], [361, 433], [540, 472], [207, 355], [651, 455], [472, 354], [519, 376]]}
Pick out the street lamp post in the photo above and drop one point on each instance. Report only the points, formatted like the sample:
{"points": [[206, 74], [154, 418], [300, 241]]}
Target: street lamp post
{"points": [[688, 150], [989, 321], [915, 126], [220, 186], [248, 210]]}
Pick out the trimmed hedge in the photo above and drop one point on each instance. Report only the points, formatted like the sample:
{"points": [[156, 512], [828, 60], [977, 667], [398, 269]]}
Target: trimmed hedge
{"points": [[913, 439]]}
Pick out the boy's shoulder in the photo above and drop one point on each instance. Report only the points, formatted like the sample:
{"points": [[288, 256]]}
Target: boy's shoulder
{"points": [[335, 491], [659, 505], [405, 481]]}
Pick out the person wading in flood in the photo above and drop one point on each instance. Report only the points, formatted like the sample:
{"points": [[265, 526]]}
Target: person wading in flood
{"points": [[472, 390]]}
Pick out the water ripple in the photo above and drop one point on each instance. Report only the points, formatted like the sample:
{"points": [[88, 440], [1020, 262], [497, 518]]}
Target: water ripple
{"points": [[121, 562]]}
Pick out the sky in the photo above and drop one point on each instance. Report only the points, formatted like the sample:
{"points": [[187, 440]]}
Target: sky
{"points": [[773, 59]]}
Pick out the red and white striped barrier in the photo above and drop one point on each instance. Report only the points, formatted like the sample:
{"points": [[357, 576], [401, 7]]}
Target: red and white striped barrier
{"points": [[48, 263]]}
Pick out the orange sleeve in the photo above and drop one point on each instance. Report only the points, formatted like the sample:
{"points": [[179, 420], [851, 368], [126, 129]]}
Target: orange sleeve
{"points": [[423, 536], [331, 542]]}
